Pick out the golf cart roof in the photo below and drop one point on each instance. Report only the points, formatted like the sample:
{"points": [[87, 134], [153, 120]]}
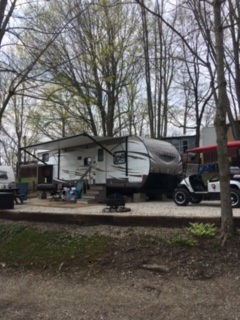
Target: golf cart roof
{"points": [[213, 147]]}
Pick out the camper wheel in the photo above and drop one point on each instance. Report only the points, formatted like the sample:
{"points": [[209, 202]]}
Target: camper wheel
{"points": [[181, 197]]}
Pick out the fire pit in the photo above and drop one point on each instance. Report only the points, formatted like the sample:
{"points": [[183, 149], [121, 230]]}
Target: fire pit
{"points": [[115, 203]]}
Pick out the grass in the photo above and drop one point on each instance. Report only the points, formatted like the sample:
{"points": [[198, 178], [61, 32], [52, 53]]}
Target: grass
{"points": [[179, 240], [151, 240], [28, 247]]}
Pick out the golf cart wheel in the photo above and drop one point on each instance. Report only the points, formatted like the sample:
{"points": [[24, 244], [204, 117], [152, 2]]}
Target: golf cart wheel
{"points": [[235, 198], [195, 198], [181, 197]]}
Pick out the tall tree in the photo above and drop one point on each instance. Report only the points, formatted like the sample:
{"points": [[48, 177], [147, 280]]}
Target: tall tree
{"points": [[146, 50], [6, 11], [95, 62], [231, 46], [17, 72], [223, 106], [164, 68], [192, 79]]}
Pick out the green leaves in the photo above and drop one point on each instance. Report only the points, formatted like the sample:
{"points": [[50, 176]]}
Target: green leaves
{"points": [[202, 229], [183, 241], [196, 230]]}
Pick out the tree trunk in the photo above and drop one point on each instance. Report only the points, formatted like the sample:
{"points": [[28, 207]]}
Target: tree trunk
{"points": [[5, 16], [227, 223], [235, 38], [147, 72]]}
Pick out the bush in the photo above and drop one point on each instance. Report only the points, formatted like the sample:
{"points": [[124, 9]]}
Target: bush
{"points": [[202, 229]]}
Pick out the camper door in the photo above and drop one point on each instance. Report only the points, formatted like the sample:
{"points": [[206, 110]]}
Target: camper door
{"points": [[96, 159], [116, 164], [100, 167]]}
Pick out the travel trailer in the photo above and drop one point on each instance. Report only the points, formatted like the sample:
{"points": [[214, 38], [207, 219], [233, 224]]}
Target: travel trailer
{"points": [[123, 164], [7, 177]]}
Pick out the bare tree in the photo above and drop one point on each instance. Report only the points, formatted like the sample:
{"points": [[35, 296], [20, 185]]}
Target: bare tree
{"points": [[223, 107], [17, 129], [60, 118], [192, 78], [203, 12], [5, 15], [231, 47], [23, 70], [95, 62], [164, 68], [145, 41]]}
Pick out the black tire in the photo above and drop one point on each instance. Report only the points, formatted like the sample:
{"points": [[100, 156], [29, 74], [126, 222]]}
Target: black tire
{"points": [[235, 198], [181, 197], [195, 198]]}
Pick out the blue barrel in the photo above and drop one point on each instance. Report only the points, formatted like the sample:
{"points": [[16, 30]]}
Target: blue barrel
{"points": [[22, 189]]}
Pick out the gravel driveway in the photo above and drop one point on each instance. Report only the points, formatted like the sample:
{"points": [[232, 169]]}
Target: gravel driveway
{"points": [[153, 208]]}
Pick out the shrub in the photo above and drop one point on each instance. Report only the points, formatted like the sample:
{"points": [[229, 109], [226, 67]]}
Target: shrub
{"points": [[202, 229], [181, 241]]}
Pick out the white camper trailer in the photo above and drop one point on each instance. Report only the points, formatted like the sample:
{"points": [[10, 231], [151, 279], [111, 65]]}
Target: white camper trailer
{"points": [[7, 177], [123, 164]]}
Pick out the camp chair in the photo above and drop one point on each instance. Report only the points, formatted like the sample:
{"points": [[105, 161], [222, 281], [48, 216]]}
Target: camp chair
{"points": [[55, 193], [79, 189]]}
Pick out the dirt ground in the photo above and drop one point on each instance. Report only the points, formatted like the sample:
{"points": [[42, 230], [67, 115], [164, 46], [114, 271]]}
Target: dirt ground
{"points": [[133, 279]]}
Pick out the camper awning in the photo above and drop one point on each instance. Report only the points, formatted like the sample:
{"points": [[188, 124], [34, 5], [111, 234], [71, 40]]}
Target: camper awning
{"points": [[213, 147], [69, 142]]}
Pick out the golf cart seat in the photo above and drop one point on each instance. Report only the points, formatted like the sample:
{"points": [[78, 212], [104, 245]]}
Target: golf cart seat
{"points": [[197, 183]]}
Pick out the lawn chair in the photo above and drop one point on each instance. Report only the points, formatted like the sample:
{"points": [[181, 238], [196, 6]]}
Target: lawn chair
{"points": [[55, 193], [79, 189]]}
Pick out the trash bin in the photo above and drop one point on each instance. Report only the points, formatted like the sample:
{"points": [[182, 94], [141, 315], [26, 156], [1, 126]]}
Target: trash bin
{"points": [[6, 200], [22, 189]]}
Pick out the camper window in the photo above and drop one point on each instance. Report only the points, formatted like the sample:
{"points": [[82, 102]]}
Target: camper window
{"points": [[119, 157], [3, 176], [100, 155], [45, 157], [87, 161]]}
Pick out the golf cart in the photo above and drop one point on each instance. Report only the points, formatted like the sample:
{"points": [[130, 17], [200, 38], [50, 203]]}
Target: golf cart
{"points": [[205, 184]]}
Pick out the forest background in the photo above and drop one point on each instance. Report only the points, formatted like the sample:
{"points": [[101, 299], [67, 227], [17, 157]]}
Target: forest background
{"points": [[111, 68]]}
